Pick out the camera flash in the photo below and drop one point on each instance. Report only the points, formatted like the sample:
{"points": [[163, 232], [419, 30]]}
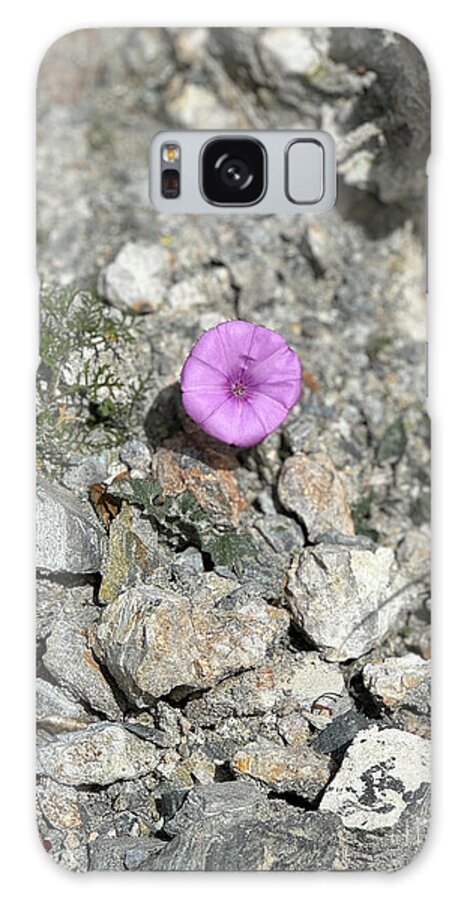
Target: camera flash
{"points": [[170, 153]]}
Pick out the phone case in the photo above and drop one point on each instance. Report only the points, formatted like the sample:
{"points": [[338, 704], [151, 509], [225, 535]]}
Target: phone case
{"points": [[233, 641]]}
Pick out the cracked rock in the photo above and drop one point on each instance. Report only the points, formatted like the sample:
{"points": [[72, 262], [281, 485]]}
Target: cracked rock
{"points": [[59, 804], [341, 598], [100, 754], [153, 640], [310, 488], [69, 538]]}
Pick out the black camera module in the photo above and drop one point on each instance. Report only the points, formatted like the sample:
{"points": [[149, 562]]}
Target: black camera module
{"points": [[233, 171]]}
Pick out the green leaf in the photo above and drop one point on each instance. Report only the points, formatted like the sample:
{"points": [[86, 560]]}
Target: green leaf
{"points": [[227, 549]]}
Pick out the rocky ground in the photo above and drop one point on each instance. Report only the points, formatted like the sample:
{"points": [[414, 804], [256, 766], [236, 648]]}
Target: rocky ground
{"points": [[233, 646]]}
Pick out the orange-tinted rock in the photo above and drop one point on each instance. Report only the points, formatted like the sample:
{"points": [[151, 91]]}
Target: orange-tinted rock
{"points": [[206, 473]]}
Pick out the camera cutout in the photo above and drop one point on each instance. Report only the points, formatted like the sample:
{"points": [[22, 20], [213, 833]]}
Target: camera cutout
{"points": [[242, 172], [233, 171]]}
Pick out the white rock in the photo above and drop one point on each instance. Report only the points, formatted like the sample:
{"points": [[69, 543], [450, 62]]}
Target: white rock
{"points": [[291, 49], [137, 278], [382, 774], [199, 107], [341, 598]]}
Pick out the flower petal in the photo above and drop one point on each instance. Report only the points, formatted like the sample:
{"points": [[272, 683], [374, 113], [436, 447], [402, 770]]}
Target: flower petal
{"points": [[235, 422], [198, 374], [200, 404]]}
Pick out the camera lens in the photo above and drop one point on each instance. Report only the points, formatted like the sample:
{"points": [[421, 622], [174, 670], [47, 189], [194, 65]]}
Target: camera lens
{"points": [[233, 171]]}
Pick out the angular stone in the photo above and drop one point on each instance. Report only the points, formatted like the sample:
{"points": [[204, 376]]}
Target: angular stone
{"points": [[153, 640], [341, 597], [282, 769], [310, 488], [136, 455], [382, 774], [231, 826], [70, 660], [402, 684], [69, 538], [206, 476], [285, 683], [127, 559], [137, 278], [341, 731], [56, 713], [83, 471], [99, 755], [394, 679]]}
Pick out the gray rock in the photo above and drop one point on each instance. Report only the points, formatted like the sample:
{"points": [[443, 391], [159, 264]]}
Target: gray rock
{"points": [[282, 769], [123, 853], [153, 640], [74, 602], [70, 660], [55, 712], [100, 754], [281, 533], [69, 538], [342, 599], [232, 827], [402, 685], [136, 455], [340, 732], [83, 471], [382, 774], [403, 82], [310, 487]]}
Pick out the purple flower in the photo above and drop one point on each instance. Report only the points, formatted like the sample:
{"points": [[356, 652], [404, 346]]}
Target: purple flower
{"points": [[239, 382]]}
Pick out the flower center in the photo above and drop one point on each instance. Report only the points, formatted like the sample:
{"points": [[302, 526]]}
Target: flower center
{"points": [[238, 388]]}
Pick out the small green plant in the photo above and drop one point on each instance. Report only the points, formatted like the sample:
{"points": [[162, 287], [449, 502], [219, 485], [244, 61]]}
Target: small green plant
{"points": [[84, 402], [183, 521], [361, 513]]}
